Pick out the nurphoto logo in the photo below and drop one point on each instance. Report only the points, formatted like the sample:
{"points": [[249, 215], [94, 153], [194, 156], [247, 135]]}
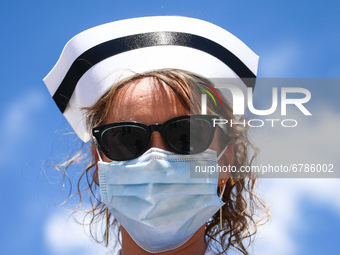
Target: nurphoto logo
{"points": [[295, 96]]}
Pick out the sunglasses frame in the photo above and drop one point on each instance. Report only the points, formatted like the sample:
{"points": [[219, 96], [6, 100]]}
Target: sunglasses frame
{"points": [[98, 131]]}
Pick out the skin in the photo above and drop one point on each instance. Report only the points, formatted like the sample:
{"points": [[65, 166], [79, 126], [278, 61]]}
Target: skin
{"points": [[149, 102]]}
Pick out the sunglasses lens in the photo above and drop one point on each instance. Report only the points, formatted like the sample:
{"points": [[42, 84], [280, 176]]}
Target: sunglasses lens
{"points": [[124, 142], [189, 136]]}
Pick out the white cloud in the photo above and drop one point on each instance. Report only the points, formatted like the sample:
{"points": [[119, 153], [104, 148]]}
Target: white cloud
{"points": [[285, 197], [314, 141], [64, 236], [18, 114], [18, 120]]}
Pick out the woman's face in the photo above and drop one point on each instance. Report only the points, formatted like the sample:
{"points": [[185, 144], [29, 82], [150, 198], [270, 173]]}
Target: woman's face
{"points": [[149, 102], [146, 102]]}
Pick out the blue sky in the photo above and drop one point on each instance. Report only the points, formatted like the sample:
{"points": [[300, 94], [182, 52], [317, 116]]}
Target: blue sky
{"points": [[292, 38]]}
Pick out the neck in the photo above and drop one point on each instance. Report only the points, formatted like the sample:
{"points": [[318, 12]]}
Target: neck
{"points": [[194, 246]]}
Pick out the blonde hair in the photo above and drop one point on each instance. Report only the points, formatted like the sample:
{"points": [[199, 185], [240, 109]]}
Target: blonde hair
{"points": [[243, 210]]}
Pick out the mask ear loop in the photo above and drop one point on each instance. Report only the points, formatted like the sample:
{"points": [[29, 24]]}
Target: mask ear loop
{"points": [[222, 189], [221, 154], [107, 216]]}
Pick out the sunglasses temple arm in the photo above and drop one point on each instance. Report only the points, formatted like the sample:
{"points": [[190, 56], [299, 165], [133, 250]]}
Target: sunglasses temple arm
{"points": [[224, 128], [96, 146], [222, 152]]}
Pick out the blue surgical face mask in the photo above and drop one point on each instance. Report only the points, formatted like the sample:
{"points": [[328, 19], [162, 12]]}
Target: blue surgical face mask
{"points": [[156, 201]]}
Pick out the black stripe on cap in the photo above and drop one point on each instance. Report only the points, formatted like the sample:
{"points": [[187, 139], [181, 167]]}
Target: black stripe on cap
{"points": [[113, 47]]}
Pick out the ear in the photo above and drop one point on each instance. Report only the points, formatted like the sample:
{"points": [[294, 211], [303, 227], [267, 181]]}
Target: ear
{"points": [[226, 161]]}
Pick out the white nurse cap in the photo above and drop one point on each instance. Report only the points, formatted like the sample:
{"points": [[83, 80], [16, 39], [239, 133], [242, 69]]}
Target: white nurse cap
{"points": [[96, 59]]}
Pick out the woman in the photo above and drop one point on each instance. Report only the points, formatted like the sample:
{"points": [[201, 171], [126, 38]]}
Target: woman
{"points": [[134, 88]]}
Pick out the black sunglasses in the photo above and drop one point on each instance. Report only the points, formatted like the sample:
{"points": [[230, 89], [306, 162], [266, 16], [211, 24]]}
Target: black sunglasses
{"points": [[189, 134]]}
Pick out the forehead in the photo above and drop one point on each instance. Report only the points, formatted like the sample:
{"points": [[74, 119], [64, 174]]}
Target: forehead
{"points": [[147, 101]]}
